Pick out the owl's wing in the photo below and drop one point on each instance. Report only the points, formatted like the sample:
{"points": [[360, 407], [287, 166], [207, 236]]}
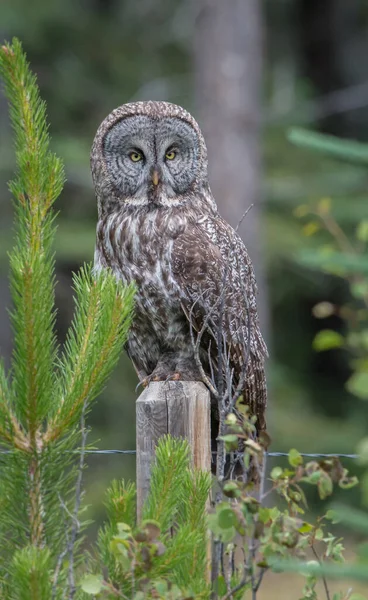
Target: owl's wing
{"points": [[215, 275]]}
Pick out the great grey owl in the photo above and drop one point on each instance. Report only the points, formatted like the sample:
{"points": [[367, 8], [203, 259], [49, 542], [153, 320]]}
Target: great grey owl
{"points": [[158, 225]]}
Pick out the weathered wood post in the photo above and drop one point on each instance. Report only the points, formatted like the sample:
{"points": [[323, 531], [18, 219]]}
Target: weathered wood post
{"points": [[180, 408]]}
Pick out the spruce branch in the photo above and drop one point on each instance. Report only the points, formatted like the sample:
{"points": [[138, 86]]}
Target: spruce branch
{"points": [[29, 574], [10, 430], [120, 502], [44, 396], [38, 182], [168, 472], [93, 346], [192, 513]]}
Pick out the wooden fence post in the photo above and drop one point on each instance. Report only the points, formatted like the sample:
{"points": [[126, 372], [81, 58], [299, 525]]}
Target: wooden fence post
{"points": [[180, 408]]}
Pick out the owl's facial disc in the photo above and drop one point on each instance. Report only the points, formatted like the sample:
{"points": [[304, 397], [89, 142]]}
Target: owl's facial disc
{"points": [[152, 161]]}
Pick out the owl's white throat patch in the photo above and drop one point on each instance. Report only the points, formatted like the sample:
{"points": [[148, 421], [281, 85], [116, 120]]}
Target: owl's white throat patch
{"points": [[161, 200]]}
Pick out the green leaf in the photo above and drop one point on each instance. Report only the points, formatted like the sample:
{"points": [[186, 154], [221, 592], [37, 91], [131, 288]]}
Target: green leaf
{"points": [[152, 529], [362, 231], [161, 587], [227, 535], [327, 339], [124, 528], [264, 514], [231, 419], [348, 150], [313, 478], [359, 289], [332, 516], [295, 458], [276, 473], [324, 485], [311, 228], [346, 483], [334, 262], [231, 489], [358, 385], [357, 597], [92, 584], [305, 528], [226, 518], [230, 438]]}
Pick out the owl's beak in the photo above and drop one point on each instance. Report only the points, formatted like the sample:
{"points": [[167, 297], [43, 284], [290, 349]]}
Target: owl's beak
{"points": [[155, 177]]}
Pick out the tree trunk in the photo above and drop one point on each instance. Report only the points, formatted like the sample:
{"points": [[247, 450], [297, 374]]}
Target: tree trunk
{"points": [[332, 39], [228, 60]]}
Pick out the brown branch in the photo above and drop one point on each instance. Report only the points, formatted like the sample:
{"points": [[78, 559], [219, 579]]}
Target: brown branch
{"points": [[36, 506], [323, 576], [335, 230], [31, 360], [196, 344], [78, 496], [235, 589], [260, 578]]}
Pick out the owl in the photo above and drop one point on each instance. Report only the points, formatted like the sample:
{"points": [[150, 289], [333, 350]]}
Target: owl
{"points": [[158, 226]]}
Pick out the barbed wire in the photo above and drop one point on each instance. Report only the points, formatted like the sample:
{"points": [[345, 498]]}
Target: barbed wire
{"points": [[268, 454]]}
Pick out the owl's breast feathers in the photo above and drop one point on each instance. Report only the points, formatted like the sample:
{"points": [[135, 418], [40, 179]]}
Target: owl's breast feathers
{"points": [[195, 266], [215, 274]]}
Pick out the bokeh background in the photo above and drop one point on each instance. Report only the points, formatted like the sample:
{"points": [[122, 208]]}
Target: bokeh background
{"points": [[248, 70]]}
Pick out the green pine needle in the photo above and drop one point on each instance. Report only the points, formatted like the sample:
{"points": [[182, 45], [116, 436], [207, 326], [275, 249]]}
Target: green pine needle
{"points": [[43, 397], [29, 575], [167, 475], [94, 343], [38, 182], [121, 502]]}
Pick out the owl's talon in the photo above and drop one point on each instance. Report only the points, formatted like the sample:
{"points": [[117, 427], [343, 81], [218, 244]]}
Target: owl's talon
{"points": [[173, 377], [144, 383]]}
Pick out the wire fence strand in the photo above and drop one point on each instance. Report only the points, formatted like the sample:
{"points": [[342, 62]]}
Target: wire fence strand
{"points": [[268, 454]]}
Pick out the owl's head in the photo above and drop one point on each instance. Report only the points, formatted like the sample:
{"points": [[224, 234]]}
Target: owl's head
{"points": [[148, 154]]}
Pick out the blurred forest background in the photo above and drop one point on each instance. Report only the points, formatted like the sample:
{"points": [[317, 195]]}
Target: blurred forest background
{"points": [[248, 70]]}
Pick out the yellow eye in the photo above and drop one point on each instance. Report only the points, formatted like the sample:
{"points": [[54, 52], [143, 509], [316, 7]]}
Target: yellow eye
{"points": [[135, 156], [170, 155]]}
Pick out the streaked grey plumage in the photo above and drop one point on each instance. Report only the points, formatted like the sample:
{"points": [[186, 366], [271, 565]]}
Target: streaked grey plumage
{"points": [[158, 225]]}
